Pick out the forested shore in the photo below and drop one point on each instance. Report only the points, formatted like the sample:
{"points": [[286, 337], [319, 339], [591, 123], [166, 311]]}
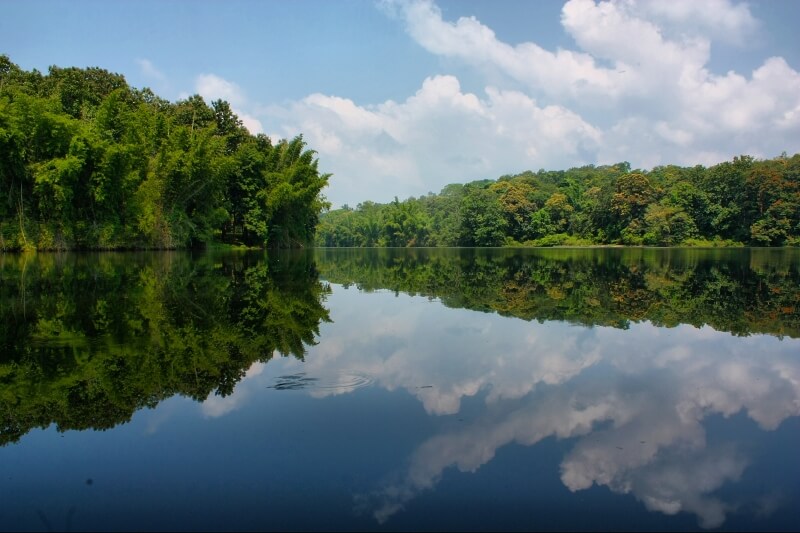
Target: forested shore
{"points": [[89, 162], [740, 202]]}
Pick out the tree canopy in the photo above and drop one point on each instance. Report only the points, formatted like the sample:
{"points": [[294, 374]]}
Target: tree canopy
{"points": [[86, 161], [743, 201]]}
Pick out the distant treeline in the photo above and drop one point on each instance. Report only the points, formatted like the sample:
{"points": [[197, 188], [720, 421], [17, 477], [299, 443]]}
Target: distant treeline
{"points": [[744, 201], [86, 161]]}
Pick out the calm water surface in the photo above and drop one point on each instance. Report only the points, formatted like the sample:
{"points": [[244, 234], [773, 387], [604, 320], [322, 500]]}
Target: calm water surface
{"points": [[401, 390]]}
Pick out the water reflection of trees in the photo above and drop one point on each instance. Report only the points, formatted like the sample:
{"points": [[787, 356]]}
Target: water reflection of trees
{"points": [[86, 340], [739, 291]]}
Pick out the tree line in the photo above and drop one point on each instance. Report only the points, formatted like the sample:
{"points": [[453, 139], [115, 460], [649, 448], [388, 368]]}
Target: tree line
{"points": [[89, 162], [738, 202]]}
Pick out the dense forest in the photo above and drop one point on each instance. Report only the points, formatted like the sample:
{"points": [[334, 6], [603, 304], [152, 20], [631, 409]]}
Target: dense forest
{"points": [[88, 162], [744, 201]]}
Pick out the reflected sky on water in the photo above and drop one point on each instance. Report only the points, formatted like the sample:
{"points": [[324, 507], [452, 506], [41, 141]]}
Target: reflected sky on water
{"points": [[411, 414]]}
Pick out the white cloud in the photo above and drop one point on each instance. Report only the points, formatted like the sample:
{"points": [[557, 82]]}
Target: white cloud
{"points": [[476, 44], [437, 136], [609, 30], [637, 88], [720, 18], [150, 70], [250, 122], [640, 430], [215, 406], [212, 87]]}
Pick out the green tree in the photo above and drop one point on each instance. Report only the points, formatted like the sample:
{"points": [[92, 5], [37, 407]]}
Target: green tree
{"points": [[518, 207], [86, 161], [482, 219], [560, 211], [291, 199], [667, 225], [725, 186], [405, 224], [629, 203]]}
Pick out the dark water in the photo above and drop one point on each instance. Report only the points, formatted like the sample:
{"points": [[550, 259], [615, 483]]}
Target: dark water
{"points": [[401, 390]]}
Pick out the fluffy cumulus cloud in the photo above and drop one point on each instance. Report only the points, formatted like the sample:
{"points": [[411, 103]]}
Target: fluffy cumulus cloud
{"points": [[641, 430], [560, 72], [437, 136], [637, 87], [212, 87], [671, 108], [719, 18]]}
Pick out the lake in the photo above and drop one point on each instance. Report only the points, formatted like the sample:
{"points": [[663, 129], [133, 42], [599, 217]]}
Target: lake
{"points": [[454, 389]]}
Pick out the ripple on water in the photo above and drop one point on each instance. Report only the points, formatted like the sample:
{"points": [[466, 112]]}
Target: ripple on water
{"points": [[344, 381]]}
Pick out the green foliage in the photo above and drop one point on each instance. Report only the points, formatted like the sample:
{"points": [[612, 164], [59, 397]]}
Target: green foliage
{"points": [[405, 224], [87, 161], [553, 239], [483, 222], [740, 202], [667, 225], [518, 205], [714, 243]]}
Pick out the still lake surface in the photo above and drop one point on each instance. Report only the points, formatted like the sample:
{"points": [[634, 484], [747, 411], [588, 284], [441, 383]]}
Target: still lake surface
{"points": [[458, 389]]}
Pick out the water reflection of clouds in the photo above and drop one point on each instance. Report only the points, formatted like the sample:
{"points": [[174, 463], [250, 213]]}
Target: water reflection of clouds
{"points": [[638, 429], [634, 401], [442, 356], [215, 406]]}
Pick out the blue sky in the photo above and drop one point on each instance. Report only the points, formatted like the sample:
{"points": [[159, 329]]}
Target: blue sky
{"points": [[403, 97]]}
